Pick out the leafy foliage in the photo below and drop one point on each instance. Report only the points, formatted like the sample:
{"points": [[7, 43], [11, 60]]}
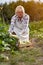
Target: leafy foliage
{"points": [[32, 6], [36, 29], [7, 42]]}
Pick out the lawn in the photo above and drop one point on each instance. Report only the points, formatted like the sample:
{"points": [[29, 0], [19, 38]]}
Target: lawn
{"points": [[25, 56]]}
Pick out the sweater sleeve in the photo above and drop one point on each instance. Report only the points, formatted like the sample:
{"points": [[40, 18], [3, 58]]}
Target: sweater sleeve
{"points": [[25, 23], [11, 27]]}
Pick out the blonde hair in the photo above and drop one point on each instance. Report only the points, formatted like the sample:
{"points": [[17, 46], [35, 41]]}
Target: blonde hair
{"points": [[20, 8]]}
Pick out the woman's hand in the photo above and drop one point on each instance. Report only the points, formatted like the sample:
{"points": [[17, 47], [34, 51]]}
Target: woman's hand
{"points": [[14, 33]]}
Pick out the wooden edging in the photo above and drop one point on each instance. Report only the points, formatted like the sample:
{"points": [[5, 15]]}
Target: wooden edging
{"points": [[25, 45]]}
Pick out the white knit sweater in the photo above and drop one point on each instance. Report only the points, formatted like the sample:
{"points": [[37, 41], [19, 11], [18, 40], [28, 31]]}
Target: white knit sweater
{"points": [[20, 27]]}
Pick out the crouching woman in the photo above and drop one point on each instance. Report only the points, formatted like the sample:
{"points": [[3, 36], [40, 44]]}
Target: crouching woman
{"points": [[19, 24]]}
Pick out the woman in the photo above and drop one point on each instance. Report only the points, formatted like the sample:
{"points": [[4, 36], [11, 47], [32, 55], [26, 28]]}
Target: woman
{"points": [[19, 24]]}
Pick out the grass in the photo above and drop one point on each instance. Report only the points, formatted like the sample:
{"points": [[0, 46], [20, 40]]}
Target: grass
{"points": [[28, 56], [36, 29]]}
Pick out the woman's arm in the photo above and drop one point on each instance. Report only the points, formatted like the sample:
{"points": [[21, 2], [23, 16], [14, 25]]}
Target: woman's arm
{"points": [[12, 25], [25, 24]]}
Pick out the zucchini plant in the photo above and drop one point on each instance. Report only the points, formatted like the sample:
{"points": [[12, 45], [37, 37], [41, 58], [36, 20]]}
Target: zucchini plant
{"points": [[7, 42]]}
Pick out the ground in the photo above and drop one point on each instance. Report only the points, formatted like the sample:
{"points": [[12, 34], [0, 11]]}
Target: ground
{"points": [[27, 56]]}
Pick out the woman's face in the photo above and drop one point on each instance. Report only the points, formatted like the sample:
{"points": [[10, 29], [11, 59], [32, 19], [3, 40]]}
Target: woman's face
{"points": [[20, 14]]}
